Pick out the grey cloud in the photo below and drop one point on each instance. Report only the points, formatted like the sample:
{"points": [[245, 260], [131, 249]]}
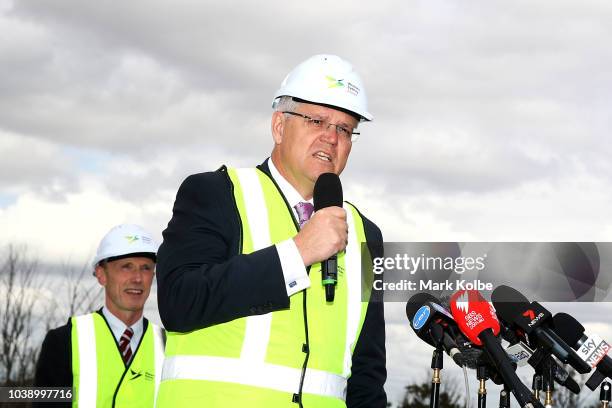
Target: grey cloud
{"points": [[182, 74], [467, 100], [29, 164]]}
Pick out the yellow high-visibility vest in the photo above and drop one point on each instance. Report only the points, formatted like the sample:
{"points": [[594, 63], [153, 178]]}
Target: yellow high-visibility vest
{"points": [[257, 361], [100, 377]]}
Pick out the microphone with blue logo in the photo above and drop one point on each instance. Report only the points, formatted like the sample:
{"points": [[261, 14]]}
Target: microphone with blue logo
{"points": [[432, 323], [425, 311]]}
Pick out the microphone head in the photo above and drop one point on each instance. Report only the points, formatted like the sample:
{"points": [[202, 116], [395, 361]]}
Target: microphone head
{"points": [[568, 328], [473, 314], [427, 318], [327, 191], [504, 293], [422, 310], [508, 303], [416, 301]]}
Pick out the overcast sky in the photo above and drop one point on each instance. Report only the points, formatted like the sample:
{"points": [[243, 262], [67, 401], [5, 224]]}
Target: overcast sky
{"points": [[491, 119]]}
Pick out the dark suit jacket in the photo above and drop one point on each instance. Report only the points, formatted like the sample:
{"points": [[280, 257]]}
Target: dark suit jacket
{"points": [[54, 367], [202, 280]]}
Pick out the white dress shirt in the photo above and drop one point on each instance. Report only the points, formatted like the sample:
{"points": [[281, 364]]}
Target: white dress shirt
{"points": [[118, 327], [294, 271]]}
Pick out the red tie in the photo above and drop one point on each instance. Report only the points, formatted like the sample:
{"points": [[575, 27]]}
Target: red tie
{"points": [[124, 344]]}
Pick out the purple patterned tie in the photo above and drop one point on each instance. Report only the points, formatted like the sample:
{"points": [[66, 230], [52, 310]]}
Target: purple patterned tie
{"points": [[304, 211]]}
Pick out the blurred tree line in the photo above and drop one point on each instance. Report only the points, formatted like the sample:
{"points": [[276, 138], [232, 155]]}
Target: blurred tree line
{"points": [[33, 302], [452, 394]]}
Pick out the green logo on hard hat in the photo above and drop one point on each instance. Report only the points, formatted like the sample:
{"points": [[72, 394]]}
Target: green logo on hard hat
{"points": [[131, 238], [333, 82]]}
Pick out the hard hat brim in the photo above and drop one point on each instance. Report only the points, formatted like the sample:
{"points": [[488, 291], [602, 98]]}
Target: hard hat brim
{"points": [[348, 112], [360, 116], [152, 256]]}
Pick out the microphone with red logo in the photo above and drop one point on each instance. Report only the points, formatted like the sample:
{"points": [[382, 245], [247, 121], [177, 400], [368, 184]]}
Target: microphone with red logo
{"points": [[328, 193], [476, 318], [535, 321]]}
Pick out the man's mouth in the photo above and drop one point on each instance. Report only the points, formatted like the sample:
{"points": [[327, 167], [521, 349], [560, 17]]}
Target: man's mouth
{"points": [[134, 291], [323, 156]]}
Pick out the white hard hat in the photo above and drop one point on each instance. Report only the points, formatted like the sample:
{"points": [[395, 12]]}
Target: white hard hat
{"points": [[327, 80], [124, 240]]}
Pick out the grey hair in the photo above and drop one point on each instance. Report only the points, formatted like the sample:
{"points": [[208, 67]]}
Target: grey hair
{"points": [[285, 104], [288, 104]]}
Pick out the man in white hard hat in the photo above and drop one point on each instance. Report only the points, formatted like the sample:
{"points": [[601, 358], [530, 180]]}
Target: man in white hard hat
{"points": [[239, 271], [112, 357]]}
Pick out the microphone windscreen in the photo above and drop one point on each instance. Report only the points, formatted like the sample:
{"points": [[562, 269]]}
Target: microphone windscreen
{"points": [[508, 302], [568, 328], [416, 301], [327, 191], [473, 314]]}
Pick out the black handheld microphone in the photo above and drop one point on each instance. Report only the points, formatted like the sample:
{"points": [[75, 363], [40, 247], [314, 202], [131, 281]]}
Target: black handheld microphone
{"points": [[328, 193], [534, 320], [592, 349]]}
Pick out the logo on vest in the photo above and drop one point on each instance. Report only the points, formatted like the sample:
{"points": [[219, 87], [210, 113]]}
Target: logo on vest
{"points": [[137, 374]]}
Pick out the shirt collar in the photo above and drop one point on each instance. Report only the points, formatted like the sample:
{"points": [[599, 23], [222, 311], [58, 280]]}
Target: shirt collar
{"points": [[118, 327], [290, 193]]}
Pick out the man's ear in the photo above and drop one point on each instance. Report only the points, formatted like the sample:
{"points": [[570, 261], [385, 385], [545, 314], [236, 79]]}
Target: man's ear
{"points": [[100, 275], [278, 127]]}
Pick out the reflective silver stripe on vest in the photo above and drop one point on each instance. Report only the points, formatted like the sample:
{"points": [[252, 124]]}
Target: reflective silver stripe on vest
{"points": [[274, 377], [88, 364], [258, 327], [352, 265], [158, 350], [257, 331]]}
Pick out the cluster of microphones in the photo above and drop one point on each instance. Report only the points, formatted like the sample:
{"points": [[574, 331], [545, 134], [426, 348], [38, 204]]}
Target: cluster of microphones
{"points": [[470, 330]]}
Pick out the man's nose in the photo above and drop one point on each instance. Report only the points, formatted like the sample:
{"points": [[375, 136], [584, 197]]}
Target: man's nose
{"points": [[330, 135], [137, 275]]}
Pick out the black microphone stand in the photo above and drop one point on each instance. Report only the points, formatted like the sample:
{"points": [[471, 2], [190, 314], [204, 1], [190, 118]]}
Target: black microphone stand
{"points": [[504, 397], [536, 385], [604, 394], [544, 377], [481, 374], [437, 364], [549, 382]]}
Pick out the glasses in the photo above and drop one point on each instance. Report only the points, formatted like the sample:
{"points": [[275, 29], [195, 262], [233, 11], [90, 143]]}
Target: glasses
{"points": [[316, 124]]}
